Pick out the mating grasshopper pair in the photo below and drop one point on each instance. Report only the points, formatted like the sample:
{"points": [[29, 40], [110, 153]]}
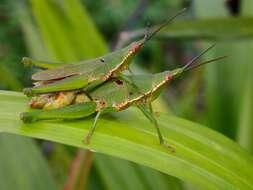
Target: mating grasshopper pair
{"points": [[71, 91]]}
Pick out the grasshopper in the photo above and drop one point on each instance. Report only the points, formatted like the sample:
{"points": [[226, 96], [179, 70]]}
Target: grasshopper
{"points": [[115, 95], [89, 73]]}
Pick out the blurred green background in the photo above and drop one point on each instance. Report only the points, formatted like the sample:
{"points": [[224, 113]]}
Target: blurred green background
{"points": [[218, 95]]}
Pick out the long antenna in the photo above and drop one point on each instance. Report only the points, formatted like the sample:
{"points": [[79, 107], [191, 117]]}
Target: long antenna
{"points": [[205, 62], [197, 57], [148, 37]]}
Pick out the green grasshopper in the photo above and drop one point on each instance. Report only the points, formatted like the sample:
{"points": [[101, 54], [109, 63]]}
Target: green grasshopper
{"points": [[115, 95], [86, 74]]}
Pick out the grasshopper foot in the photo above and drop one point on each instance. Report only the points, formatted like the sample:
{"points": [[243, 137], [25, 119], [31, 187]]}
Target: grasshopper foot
{"points": [[86, 140], [169, 147]]}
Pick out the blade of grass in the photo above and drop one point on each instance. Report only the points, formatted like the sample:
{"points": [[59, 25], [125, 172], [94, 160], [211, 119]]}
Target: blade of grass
{"points": [[22, 166], [86, 36], [65, 31], [54, 27], [203, 157], [32, 38], [155, 179], [222, 80], [245, 131], [8, 79], [209, 29], [116, 173], [139, 177]]}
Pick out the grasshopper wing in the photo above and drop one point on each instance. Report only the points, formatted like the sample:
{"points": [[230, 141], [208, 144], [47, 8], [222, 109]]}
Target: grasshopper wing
{"points": [[108, 62]]}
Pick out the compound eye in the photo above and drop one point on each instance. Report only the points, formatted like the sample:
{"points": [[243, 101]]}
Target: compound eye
{"points": [[169, 77], [136, 47]]}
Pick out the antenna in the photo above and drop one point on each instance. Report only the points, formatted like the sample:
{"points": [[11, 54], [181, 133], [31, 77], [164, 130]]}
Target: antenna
{"points": [[149, 36], [205, 62], [197, 57], [145, 38]]}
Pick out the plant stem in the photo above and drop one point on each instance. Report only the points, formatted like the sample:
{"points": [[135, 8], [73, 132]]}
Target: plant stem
{"points": [[79, 170]]}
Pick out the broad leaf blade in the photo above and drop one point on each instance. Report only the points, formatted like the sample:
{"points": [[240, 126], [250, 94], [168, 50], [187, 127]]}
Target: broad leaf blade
{"points": [[110, 168], [203, 157], [22, 166], [221, 97], [132, 176], [211, 29], [61, 33], [245, 130]]}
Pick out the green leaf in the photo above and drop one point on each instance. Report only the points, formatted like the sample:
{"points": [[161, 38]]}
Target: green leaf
{"points": [[223, 83], [110, 168], [66, 30], [131, 176], [203, 157], [8, 79], [22, 166], [211, 29], [245, 130], [31, 33], [154, 179]]}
